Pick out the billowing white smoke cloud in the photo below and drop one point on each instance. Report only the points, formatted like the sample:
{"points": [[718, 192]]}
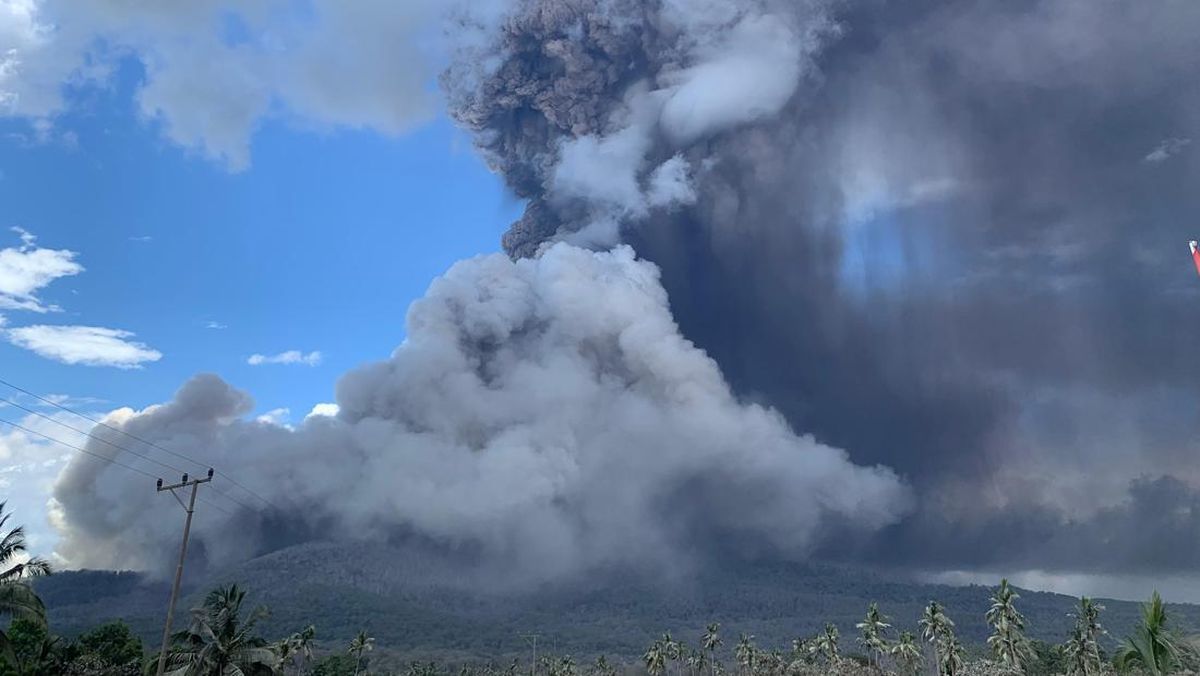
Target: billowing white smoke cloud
{"points": [[737, 64], [545, 413]]}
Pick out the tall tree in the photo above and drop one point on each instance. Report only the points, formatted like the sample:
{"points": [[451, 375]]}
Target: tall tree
{"points": [[745, 653], [1008, 640], [826, 644], [873, 630], [711, 641], [295, 651], [672, 650], [361, 645], [655, 658], [108, 650], [938, 630], [952, 662], [1083, 644], [17, 598], [696, 661], [37, 653], [1152, 646], [907, 654], [601, 668], [218, 642]]}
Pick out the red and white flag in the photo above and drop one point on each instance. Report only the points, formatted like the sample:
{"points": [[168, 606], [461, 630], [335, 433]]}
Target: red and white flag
{"points": [[1195, 254]]}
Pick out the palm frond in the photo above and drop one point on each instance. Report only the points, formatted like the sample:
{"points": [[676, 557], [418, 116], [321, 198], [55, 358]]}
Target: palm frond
{"points": [[18, 600]]}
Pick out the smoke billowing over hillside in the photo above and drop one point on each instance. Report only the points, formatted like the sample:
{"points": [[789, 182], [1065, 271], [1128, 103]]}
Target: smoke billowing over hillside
{"points": [[946, 238], [544, 416]]}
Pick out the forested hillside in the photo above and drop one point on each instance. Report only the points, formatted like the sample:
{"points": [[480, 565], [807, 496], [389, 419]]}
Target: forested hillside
{"points": [[418, 610]]}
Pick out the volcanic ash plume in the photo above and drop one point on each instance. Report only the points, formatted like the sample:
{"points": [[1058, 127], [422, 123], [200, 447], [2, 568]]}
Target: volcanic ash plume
{"points": [[544, 413], [945, 236], [597, 111]]}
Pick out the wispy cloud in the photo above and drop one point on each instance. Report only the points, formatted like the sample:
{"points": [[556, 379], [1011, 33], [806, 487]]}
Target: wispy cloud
{"points": [[215, 325], [141, 238], [86, 345], [1166, 150], [27, 268], [290, 357]]}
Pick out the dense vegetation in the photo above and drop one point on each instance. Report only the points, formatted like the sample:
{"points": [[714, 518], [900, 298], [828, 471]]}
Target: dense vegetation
{"points": [[344, 588], [813, 619], [222, 639]]}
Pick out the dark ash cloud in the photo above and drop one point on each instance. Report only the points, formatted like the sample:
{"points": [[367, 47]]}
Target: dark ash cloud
{"points": [[947, 251]]}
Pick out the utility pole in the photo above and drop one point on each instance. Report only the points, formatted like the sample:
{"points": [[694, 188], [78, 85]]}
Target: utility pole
{"points": [[532, 640], [187, 529]]}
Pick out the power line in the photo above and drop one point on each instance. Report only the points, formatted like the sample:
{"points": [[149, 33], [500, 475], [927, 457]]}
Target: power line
{"points": [[77, 448], [151, 444], [228, 497], [130, 451], [91, 435], [215, 506]]}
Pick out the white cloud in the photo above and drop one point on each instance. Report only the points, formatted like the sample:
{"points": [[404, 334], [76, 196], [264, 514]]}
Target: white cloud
{"points": [[141, 238], [276, 416], [29, 77], [86, 345], [29, 464], [28, 268], [215, 325], [1166, 150], [326, 410], [215, 69], [290, 357]]}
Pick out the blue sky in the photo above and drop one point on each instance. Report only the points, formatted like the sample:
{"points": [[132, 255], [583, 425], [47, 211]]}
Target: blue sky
{"points": [[320, 245]]}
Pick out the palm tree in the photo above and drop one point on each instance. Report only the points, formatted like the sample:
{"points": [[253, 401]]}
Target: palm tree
{"points": [[1008, 640], [774, 663], [745, 653], [1078, 650], [696, 661], [938, 630], [907, 654], [1083, 645], [17, 598], [361, 644], [1089, 616], [672, 650], [602, 667], [1152, 646], [952, 661], [826, 643], [874, 627], [711, 641], [655, 659], [297, 648], [218, 643]]}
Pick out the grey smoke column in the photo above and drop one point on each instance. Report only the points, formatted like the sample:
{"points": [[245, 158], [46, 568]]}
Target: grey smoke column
{"points": [[544, 415], [948, 237]]}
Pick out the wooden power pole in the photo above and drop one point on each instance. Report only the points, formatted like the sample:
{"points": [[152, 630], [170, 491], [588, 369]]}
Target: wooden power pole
{"points": [[187, 529], [532, 640]]}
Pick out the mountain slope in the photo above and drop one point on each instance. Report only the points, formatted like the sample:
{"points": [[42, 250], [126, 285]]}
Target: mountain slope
{"points": [[421, 608]]}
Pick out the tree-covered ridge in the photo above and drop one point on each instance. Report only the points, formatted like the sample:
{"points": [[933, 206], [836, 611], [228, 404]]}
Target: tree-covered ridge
{"points": [[783, 620], [384, 589]]}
